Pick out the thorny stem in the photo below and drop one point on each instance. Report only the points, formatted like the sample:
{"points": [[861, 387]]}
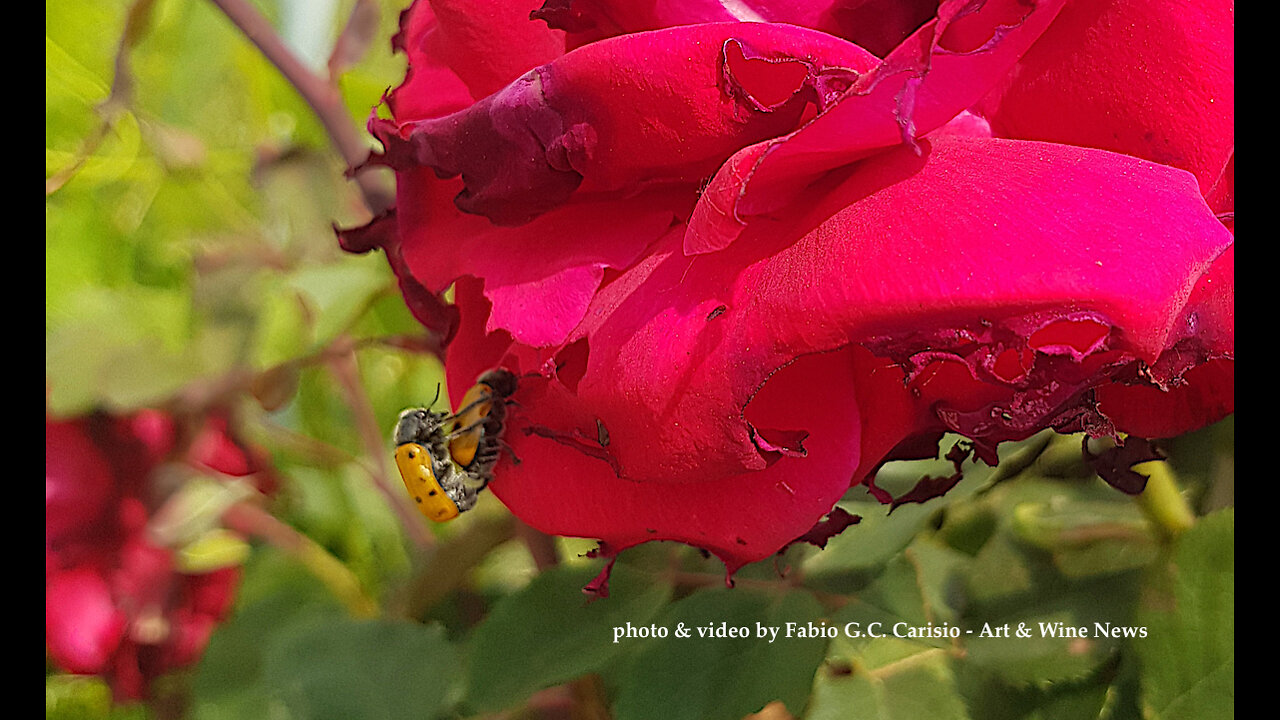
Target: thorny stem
{"points": [[250, 519], [321, 95]]}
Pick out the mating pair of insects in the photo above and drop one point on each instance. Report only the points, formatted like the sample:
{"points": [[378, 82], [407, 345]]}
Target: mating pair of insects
{"points": [[443, 469]]}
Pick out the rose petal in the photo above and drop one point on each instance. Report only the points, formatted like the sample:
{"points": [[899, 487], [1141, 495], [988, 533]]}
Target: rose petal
{"points": [[77, 480], [82, 626], [1141, 77], [561, 487], [463, 50], [1046, 229], [1187, 391], [935, 74], [1052, 293], [560, 255], [877, 25], [657, 107], [881, 25]]}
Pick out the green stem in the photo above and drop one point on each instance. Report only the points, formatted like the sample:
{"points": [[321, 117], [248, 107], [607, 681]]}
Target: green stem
{"points": [[446, 566], [1162, 501], [345, 370], [252, 520], [323, 97]]}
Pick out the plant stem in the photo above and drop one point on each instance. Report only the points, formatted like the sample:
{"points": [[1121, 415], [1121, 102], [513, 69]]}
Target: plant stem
{"points": [[542, 547], [345, 369], [446, 567], [323, 97], [1162, 501], [137, 23], [250, 519]]}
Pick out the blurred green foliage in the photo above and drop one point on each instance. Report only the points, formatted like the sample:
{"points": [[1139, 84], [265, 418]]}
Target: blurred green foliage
{"points": [[191, 248]]}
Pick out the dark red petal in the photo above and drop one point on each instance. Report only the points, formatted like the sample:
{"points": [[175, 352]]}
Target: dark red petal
{"points": [[1205, 392], [835, 523], [77, 480], [379, 232], [880, 25], [1115, 464]]}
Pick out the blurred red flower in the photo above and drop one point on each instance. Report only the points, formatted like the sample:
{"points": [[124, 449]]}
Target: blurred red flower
{"points": [[743, 263], [116, 605]]}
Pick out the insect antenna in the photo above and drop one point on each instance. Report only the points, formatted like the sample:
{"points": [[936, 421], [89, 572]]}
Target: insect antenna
{"points": [[487, 397], [464, 430]]}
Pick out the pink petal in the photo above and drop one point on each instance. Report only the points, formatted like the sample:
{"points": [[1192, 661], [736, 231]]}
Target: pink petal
{"points": [[82, 626], [984, 287], [657, 107], [560, 255], [877, 25], [561, 486], [1141, 77], [460, 50], [935, 74], [1222, 195], [1192, 392]]}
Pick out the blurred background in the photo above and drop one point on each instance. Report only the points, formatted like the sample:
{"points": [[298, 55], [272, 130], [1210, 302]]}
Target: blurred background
{"points": [[192, 274]]}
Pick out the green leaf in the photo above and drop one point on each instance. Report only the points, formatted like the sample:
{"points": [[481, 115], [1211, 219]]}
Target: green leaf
{"points": [[1188, 610], [864, 683], [215, 549], [1057, 613], [338, 294], [550, 632], [276, 594], [1066, 555], [990, 699], [290, 651], [869, 671], [80, 697], [713, 678], [354, 669], [1087, 537], [72, 90]]}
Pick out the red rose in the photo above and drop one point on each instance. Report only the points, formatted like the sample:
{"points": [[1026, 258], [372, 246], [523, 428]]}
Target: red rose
{"points": [[115, 604], [740, 263]]}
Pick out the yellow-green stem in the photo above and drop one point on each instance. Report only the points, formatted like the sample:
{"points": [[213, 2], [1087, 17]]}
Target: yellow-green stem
{"points": [[255, 521], [1162, 500]]}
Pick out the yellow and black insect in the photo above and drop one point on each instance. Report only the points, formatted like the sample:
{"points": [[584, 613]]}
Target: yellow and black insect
{"points": [[445, 472], [439, 488], [475, 441], [420, 478]]}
